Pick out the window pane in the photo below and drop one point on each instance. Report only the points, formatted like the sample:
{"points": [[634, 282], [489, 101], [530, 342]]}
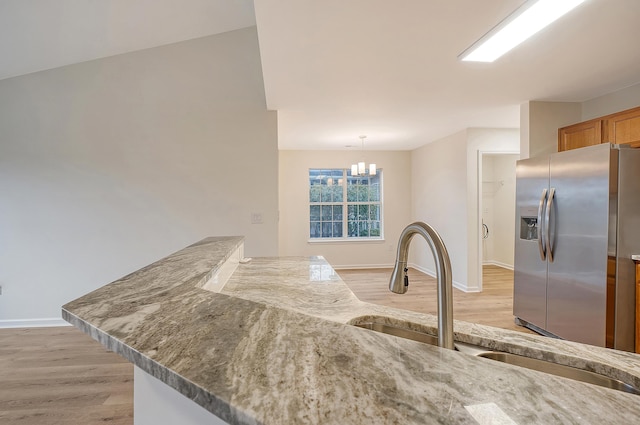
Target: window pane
{"points": [[374, 212], [314, 193], [337, 213], [326, 193], [337, 229], [314, 175], [314, 213], [314, 229], [364, 228], [352, 194], [363, 212], [326, 230], [363, 193], [374, 228], [352, 210], [337, 193], [327, 213], [374, 192], [352, 228]]}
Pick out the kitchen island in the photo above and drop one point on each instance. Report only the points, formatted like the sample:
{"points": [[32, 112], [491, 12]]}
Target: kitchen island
{"points": [[272, 341]]}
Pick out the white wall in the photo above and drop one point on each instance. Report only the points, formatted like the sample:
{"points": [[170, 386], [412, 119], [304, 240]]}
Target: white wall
{"points": [[488, 192], [610, 103], [505, 206], [542, 123], [294, 206], [498, 206], [485, 140], [439, 187], [539, 121], [445, 195], [524, 130], [108, 165]]}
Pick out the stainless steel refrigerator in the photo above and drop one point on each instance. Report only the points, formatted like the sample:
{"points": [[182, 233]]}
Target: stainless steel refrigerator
{"points": [[577, 226]]}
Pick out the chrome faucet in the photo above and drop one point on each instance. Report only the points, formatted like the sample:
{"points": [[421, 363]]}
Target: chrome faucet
{"points": [[399, 282]]}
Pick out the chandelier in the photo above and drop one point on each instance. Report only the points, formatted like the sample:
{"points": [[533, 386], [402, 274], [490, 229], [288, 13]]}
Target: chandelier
{"points": [[360, 168]]}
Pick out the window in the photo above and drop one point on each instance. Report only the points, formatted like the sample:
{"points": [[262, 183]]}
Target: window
{"points": [[344, 211]]}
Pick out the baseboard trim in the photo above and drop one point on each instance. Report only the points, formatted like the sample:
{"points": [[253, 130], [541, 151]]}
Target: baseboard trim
{"points": [[423, 269], [33, 323], [362, 266], [498, 263], [469, 290], [431, 273]]}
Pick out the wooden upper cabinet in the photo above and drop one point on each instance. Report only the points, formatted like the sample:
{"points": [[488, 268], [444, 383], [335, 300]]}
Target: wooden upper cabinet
{"points": [[580, 135], [621, 128], [624, 128]]}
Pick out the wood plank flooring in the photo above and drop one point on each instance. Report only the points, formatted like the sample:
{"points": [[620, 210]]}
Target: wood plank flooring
{"points": [[61, 376], [51, 376], [493, 306]]}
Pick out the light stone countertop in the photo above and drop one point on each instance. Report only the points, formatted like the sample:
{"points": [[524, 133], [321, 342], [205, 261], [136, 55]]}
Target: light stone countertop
{"points": [[276, 347], [635, 257]]}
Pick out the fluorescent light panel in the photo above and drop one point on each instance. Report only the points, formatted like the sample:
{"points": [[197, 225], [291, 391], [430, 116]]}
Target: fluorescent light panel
{"points": [[525, 21]]}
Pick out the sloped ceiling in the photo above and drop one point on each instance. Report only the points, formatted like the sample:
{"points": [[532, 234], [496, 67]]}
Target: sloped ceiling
{"points": [[42, 34], [337, 69]]}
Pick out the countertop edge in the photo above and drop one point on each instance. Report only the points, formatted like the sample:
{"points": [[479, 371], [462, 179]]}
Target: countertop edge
{"points": [[225, 409]]}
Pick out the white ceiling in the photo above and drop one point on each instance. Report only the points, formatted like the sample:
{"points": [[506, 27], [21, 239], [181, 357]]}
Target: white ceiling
{"points": [[42, 34], [337, 69]]}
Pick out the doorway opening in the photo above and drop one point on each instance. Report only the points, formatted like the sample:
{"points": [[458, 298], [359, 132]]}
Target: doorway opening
{"points": [[496, 213]]}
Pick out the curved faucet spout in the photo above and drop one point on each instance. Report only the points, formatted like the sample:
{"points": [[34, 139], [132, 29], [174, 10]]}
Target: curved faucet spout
{"points": [[399, 282]]}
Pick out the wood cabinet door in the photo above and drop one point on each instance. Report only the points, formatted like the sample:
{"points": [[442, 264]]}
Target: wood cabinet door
{"points": [[580, 135], [624, 128]]}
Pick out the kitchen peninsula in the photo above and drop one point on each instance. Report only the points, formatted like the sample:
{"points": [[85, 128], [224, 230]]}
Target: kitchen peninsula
{"points": [[271, 341]]}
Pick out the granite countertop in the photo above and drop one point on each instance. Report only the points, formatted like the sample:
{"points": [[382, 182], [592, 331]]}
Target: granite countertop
{"points": [[275, 346]]}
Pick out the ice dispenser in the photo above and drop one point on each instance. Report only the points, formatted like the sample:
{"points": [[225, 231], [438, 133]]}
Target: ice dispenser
{"points": [[529, 223]]}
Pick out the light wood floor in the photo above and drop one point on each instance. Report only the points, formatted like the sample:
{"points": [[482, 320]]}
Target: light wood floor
{"points": [[493, 306], [61, 376], [51, 376]]}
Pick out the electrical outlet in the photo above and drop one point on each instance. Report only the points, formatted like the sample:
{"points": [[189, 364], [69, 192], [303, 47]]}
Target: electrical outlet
{"points": [[256, 218]]}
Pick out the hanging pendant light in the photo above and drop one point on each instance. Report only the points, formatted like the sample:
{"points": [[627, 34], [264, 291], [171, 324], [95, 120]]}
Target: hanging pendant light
{"points": [[360, 169]]}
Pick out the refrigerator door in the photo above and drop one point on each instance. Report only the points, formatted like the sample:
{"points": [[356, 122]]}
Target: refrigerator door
{"points": [[578, 238], [627, 244], [530, 265]]}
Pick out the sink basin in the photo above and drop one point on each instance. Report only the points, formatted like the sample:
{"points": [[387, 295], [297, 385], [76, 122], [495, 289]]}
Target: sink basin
{"points": [[401, 332], [513, 359], [560, 370]]}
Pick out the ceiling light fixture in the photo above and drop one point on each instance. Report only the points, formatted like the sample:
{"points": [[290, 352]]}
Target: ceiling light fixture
{"points": [[524, 22], [359, 169]]}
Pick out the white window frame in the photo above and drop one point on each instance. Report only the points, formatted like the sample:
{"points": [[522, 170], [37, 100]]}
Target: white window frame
{"points": [[345, 209]]}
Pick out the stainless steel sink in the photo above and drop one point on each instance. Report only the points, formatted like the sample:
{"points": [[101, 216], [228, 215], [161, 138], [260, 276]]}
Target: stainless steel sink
{"points": [[401, 332], [560, 370], [513, 359]]}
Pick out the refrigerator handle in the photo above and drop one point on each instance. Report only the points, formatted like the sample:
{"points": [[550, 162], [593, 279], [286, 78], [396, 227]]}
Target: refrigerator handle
{"points": [[541, 244], [547, 237]]}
